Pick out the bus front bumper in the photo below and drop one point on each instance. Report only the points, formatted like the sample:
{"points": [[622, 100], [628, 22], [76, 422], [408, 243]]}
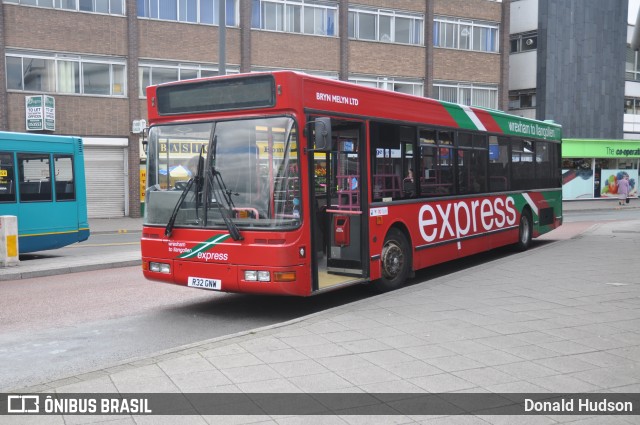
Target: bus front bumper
{"points": [[290, 280]]}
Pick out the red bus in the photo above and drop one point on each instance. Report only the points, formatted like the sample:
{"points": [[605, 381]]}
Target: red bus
{"points": [[285, 183]]}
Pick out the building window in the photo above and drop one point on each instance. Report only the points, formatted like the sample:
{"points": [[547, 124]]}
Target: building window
{"points": [[632, 105], [110, 7], [522, 100], [163, 72], [296, 16], [194, 11], [482, 95], [62, 73], [523, 42], [632, 67], [466, 34], [408, 86], [388, 26]]}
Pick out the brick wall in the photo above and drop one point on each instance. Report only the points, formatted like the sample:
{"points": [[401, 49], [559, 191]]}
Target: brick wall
{"points": [[462, 65], [189, 42], [297, 51], [386, 59], [408, 5], [63, 31], [474, 9], [78, 115]]}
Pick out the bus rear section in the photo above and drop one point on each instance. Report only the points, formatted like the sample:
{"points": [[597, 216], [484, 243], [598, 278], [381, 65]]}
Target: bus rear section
{"points": [[42, 182]]}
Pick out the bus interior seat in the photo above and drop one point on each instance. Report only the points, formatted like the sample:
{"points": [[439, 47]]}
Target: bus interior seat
{"points": [[29, 187], [409, 188], [64, 186]]}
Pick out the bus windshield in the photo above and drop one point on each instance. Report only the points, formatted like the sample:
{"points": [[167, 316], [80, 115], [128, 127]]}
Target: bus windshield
{"points": [[239, 173]]}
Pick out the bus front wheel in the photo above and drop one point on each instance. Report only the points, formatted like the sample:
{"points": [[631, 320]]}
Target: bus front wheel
{"points": [[396, 261], [525, 231]]}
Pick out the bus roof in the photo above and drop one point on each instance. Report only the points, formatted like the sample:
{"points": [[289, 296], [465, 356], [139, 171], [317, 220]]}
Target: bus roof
{"points": [[35, 137], [328, 96]]}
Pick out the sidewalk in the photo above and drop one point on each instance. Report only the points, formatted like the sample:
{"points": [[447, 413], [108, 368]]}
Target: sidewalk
{"points": [[60, 261], [597, 204], [115, 225], [561, 318]]}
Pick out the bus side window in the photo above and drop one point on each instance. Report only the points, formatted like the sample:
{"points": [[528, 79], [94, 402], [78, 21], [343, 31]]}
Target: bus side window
{"points": [[7, 181], [35, 177], [499, 155], [522, 155], [386, 151], [63, 171]]}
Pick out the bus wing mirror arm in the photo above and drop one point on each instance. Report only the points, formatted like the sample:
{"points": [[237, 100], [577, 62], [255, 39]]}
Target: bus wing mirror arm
{"points": [[145, 142]]}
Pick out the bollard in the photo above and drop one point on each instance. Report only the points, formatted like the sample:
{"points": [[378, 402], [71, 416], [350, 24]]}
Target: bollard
{"points": [[9, 241]]}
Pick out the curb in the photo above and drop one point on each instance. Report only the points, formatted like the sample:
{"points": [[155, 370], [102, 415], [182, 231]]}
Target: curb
{"points": [[67, 269], [114, 231]]}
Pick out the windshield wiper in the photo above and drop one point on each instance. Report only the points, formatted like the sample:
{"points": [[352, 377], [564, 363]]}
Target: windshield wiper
{"points": [[219, 188], [174, 214], [195, 179]]}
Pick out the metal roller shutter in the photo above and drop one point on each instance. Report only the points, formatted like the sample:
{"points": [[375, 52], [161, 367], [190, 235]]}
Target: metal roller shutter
{"points": [[106, 185]]}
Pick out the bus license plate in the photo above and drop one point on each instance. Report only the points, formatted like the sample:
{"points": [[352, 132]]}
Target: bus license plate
{"points": [[204, 283]]}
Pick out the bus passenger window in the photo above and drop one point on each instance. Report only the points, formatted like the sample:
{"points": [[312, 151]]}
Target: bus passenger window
{"points": [[499, 175], [546, 165], [472, 163], [34, 177], [7, 180], [386, 150], [436, 166], [65, 185], [522, 155]]}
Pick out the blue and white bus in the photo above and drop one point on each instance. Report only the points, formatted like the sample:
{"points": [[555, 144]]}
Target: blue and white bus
{"points": [[42, 182]]}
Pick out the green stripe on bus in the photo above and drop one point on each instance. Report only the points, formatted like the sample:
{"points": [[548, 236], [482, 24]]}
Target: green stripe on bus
{"points": [[204, 246], [460, 116]]}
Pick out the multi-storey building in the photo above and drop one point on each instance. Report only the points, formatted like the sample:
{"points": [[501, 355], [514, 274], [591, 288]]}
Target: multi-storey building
{"points": [[95, 58], [567, 64]]}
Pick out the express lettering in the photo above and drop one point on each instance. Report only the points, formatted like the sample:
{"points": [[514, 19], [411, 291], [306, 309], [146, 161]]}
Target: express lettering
{"points": [[459, 219], [216, 256]]}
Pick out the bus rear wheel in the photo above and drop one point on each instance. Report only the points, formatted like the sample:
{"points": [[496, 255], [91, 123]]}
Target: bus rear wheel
{"points": [[525, 231], [396, 261]]}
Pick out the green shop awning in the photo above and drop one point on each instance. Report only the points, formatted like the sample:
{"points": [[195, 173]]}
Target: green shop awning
{"points": [[597, 148]]}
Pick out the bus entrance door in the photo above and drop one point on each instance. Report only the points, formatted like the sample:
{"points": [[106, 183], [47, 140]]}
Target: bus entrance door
{"points": [[339, 206]]}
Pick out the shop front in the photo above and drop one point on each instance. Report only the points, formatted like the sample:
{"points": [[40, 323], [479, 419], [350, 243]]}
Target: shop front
{"points": [[592, 167]]}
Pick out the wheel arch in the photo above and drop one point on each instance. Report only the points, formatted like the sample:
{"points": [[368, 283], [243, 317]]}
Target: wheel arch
{"points": [[402, 227]]}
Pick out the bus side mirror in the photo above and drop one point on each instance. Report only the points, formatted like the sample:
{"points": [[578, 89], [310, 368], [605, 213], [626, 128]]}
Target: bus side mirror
{"points": [[322, 130], [145, 142]]}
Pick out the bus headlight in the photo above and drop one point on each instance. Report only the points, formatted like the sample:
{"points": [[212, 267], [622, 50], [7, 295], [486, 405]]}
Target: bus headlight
{"points": [[160, 267], [257, 276]]}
